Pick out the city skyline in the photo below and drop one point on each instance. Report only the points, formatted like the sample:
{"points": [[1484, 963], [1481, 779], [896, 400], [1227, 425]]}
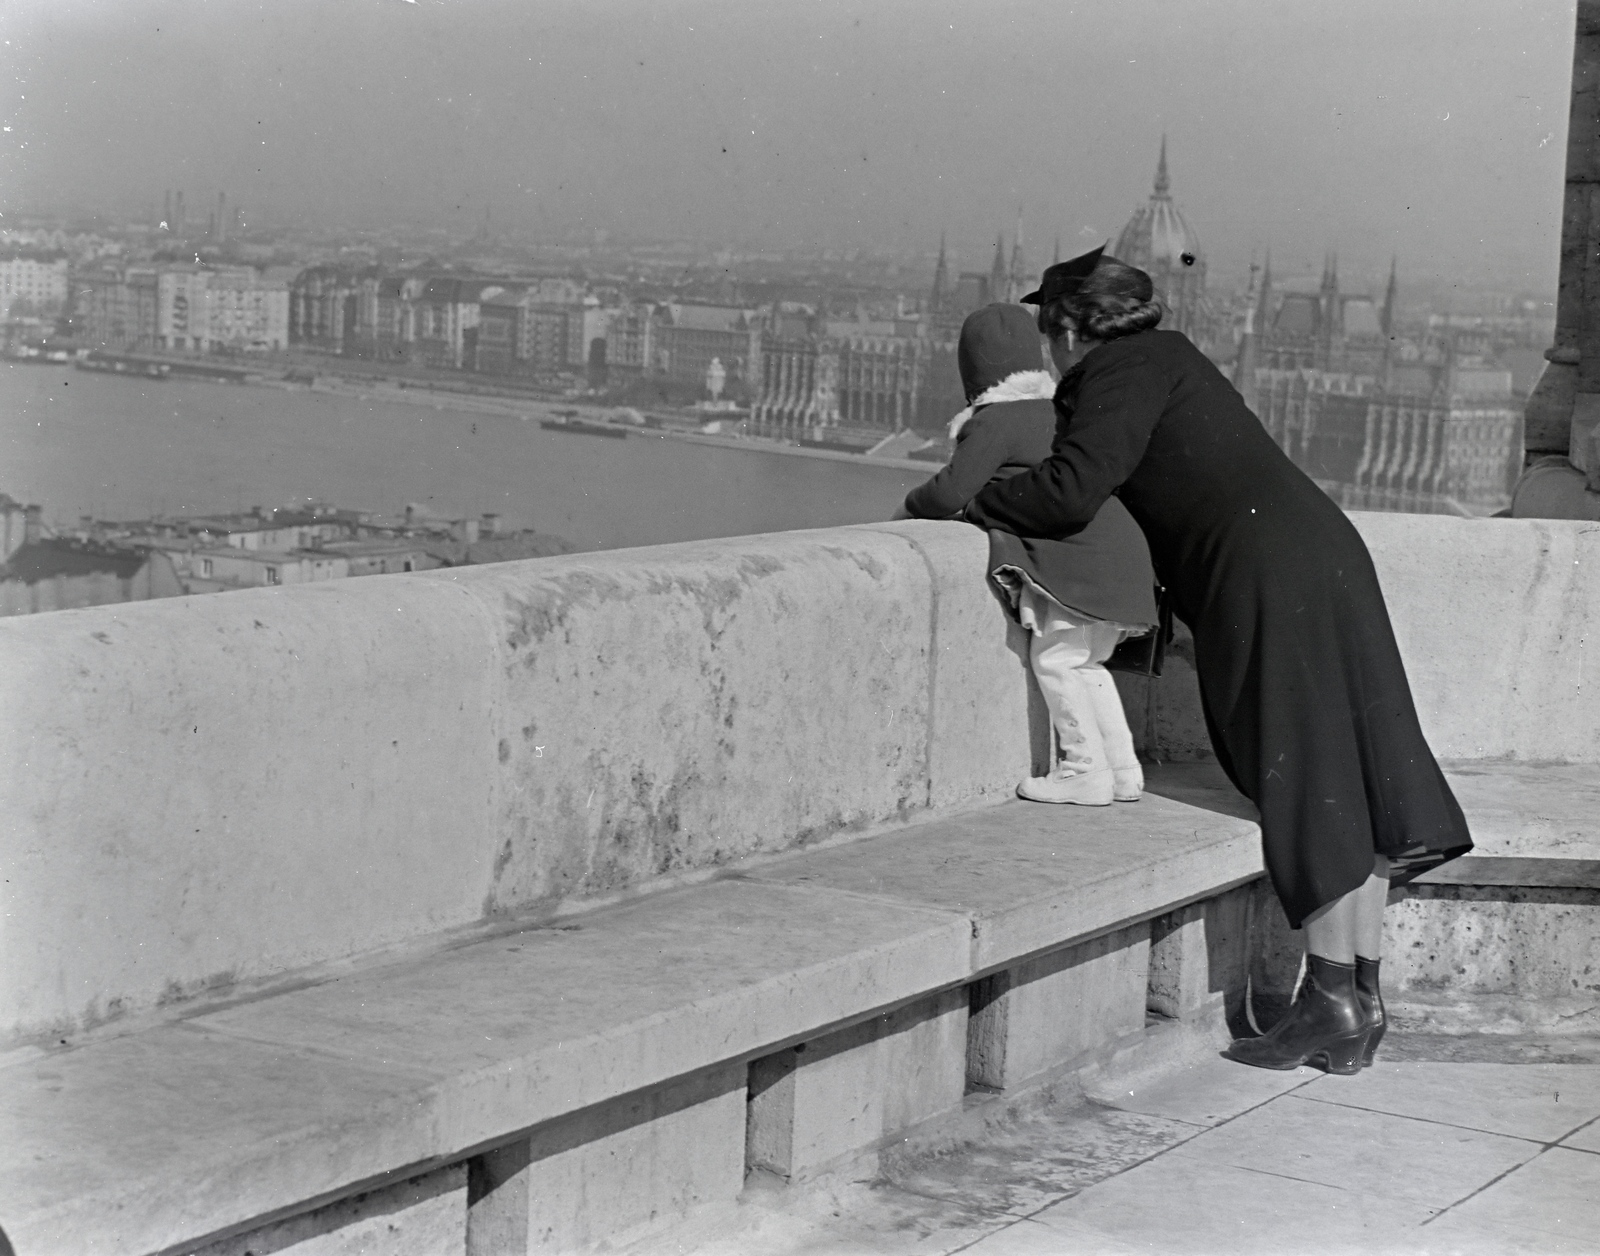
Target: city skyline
{"points": [[1436, 133]]}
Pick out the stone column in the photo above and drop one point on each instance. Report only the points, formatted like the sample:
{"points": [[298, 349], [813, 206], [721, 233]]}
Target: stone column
{"points": [[1562, 475]]}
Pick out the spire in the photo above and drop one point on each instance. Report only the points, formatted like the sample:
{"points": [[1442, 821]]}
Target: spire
{"points": [[941, 280], [997, 272], [1016, 287], [1057, 257], [1162, 182], [1389, 299], [1264, 300]]}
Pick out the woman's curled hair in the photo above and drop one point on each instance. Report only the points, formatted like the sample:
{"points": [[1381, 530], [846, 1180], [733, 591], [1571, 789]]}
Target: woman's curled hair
{"points": [[1115, 300]]}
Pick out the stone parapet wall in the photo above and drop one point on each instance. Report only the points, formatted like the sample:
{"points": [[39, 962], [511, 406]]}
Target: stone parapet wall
{"points": [[208, 795]]}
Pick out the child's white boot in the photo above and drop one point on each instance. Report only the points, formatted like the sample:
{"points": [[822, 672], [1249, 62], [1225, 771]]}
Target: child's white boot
{"points": [[1086, 789]]}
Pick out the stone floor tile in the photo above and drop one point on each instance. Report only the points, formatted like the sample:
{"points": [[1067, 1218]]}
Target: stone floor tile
{"points": [[1405, 1044], [1197, 1207], [1207, 1091], [1557, 1193], [1360, 1151], [1538, 1101], [1586, 1138], [834, 1218], [1451, 1235], [1029, 1237], [1039, 1159]]}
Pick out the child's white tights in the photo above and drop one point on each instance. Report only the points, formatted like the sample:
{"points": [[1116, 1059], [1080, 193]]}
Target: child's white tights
{"points": [[1085, 709]]}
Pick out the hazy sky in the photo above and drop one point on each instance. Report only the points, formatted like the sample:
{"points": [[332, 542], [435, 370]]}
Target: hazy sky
{"points": [[1434, 129]]}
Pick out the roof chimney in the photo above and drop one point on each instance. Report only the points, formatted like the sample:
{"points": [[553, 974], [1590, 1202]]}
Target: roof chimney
{"points": [[490, 525]]}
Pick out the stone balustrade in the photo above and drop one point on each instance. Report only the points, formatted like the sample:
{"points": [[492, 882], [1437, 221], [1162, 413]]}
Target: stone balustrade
{"points": [[208, 793], [354, 878]]}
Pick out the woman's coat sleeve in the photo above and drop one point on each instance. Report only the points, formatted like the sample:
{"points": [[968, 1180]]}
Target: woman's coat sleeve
{"points": [[1096, 449]]}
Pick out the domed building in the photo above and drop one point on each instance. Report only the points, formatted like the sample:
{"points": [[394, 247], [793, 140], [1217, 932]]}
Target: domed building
{"points": [[1158, 240]]}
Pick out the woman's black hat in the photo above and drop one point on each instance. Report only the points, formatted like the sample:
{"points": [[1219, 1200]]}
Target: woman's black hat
{"points": [[1065, 278]]}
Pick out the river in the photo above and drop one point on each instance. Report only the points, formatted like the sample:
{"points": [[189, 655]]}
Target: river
{"points": [[115, 447]]}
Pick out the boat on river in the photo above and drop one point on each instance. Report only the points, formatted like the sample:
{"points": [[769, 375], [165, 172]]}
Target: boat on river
{"points": [[568, 421]]}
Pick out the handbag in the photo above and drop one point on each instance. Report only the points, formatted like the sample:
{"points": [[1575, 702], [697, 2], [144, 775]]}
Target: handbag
{"points": [[1146, 654]]}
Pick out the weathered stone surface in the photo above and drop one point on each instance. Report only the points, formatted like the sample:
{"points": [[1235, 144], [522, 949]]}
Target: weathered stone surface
{"points": [[1032, 876], [212, 790], [1542, 810], [426, 1216], [223, 791], [1200, 957], [152, 1140], [1047, 1011], [825, 1101], [142, 1142], [1474, 602], [614, 1173], [662, 709], [1457, 941], [987, 725]]}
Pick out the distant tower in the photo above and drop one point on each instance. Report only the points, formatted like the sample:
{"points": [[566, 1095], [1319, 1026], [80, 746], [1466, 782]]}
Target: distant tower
{"points": [[1389, 300], [941, 282], [179, 220], [222, 218], [1160, 242], [1330, 317], [166, 210], [1017, 282], [1263, 318], [997, 272], [1057, 256]]}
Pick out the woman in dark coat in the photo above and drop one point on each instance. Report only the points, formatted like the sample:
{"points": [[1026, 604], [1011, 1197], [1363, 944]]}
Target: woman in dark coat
{"points": [[1079, 596], [1305, 696]]}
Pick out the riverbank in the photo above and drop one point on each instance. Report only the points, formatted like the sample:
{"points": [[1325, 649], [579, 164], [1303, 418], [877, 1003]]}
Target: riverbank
{"points": [[418, 392], [118, 446]]}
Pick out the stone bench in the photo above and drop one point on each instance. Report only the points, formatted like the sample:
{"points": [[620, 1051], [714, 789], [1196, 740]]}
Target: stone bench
{"points": [[330, 805], [618, 1069]]}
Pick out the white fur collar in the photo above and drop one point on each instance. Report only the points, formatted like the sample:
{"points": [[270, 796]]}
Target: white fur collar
{"points": [[1022, 386]]}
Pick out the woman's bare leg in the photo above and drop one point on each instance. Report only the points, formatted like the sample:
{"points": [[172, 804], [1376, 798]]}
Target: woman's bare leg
{"points": [[1370, 901], [1331, 929]]}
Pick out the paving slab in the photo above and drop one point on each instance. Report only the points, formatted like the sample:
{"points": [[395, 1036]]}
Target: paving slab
{"points": [[1542, 1102], [836, 1218], [1371, 1153], [1204, 1091], [1043, 1158], [137, 1143], [1557, 1193], [1034, 876], [1585, 1138], [1195, 1206], [1450, 1235]]}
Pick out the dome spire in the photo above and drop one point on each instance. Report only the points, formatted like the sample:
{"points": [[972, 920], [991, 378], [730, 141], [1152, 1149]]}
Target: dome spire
{"points": [[1163, 184]]}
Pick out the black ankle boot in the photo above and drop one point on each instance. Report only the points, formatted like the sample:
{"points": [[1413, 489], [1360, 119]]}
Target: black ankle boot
{"points": [[1325, 1026], [1370, 999]]}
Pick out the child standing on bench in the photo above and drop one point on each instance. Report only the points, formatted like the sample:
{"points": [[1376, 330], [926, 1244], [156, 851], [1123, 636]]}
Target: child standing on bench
{"points": [[1078, 597]]}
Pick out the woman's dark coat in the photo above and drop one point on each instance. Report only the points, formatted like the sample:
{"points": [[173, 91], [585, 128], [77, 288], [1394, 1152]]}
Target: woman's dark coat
{"points": [[1103, 571], [1305, 695]]}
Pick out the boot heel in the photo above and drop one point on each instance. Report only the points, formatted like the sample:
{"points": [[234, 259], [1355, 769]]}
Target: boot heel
{"points": [[1342, 1058]]}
